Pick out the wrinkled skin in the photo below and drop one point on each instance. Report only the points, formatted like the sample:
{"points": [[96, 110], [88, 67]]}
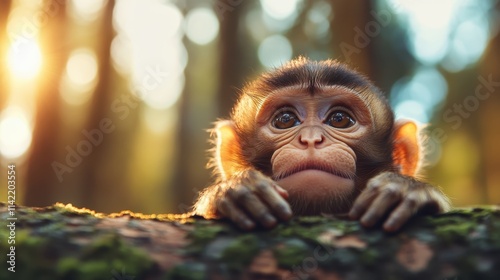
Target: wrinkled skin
{"points": [[314, 147]]}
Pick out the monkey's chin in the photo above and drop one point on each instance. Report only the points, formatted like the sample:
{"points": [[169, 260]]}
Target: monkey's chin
{"points": [[314, 192]]}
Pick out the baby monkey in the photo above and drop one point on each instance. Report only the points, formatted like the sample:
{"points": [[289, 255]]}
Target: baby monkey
{"points": [[317, 137]]}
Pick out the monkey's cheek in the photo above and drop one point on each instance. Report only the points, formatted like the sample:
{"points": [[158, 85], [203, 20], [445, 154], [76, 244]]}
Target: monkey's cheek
{"points": [[314, 184]]}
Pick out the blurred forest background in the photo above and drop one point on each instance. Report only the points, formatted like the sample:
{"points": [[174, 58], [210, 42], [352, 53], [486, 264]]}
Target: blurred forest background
{"points": [[105, 104]]}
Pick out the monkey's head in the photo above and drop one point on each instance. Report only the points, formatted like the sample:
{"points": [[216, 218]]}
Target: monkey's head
{"points": [[320, 130]]}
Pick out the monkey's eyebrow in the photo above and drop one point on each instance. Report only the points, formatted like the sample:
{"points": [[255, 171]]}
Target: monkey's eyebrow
{"points": [[290, 96]]}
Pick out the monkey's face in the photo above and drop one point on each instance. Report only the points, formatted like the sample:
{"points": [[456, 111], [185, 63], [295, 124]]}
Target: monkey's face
{"points": [[314, 136]]}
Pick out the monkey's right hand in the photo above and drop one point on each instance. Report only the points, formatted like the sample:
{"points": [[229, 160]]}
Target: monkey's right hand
{"points": [[251, 198]]}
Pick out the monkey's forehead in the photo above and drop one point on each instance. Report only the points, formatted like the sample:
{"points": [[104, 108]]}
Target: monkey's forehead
{"points": [[303, 71], [319, 95], [323, 94]]}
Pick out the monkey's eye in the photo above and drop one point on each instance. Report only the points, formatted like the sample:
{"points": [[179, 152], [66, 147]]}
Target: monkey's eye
{"points": [[340, 119], [285, 120]]}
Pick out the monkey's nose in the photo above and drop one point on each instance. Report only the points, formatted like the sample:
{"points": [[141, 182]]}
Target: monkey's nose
{"points": [[311, 137]]}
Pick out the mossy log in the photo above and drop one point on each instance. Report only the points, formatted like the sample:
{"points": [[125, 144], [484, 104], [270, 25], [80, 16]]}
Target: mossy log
{"points": [[64, 242]]}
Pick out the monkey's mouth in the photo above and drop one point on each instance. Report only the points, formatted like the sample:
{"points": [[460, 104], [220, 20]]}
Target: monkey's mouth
{"points": [[314, 166]]}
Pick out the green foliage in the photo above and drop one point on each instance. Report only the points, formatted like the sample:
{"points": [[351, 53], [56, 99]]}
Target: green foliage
{"points": [[241, 251]]}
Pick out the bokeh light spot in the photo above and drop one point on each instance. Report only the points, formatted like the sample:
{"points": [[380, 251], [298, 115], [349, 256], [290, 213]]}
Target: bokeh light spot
{"points": [[468, 44], [86, 10], [279, 9], [427, 87], [24, 59], [82, 67], [162, 93], [15, 133], [411, 109], [202, 26], [274, 51]]}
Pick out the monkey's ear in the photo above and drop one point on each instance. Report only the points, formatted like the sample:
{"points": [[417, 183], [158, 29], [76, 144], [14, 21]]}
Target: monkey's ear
{"points": [[407, 154], [228, 153]]}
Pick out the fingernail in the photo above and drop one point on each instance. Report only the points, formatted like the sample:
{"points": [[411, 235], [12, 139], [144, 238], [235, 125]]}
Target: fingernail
{"points": [[367, 222], [281, 189], [390, 226], [353, 215], [247, 224], [268, 220], [286, 211]]}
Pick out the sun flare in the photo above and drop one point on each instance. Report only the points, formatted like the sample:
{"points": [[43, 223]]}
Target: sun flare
{"points": [[24, 59]]}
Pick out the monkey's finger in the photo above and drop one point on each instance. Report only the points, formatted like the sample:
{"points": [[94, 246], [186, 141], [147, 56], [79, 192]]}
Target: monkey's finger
{"points": [[262, 183], [281, 191], [275, 201], [387, 199], [229, 210], [397, 219], [259, 211], [253, 205], [362, 203], [401, 214]]}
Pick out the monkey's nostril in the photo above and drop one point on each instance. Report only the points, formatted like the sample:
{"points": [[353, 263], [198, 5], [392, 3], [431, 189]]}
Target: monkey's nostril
{"points": [[311, 139]]}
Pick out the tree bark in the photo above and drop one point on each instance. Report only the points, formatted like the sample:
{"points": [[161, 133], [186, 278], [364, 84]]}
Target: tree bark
{"points": [[63, 242]]}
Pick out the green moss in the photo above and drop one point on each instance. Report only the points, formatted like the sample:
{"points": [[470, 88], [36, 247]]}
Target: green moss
{"points": [[311, 220], [103, 259], [241, 251], [455, 232], [72, 268], [369, 256], [38, 258], [112, 249], [295, 229], [291, 252], [462, 215], [188, 271], [201, 236]]}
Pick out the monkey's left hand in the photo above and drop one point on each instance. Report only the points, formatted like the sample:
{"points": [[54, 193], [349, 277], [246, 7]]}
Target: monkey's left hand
{"points": [[397, 198]]}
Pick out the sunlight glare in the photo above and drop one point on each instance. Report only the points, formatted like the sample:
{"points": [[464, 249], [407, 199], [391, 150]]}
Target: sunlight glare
{"points": [[152, 32], [274, 51], [15, 133], [467, 45], [318, 24], [202, 26], [87, 10], [279, 9], [121, 54], [136, 19], [159, 121], [420, 95], [165, 93], [73, 94], [25, 59], [411, 109], [429, 28], [82, 67]]}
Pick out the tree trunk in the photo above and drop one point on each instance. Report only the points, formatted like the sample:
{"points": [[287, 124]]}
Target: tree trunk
{"points": [[352, 45], [98, 116], [41, 178], [63, 242]]}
